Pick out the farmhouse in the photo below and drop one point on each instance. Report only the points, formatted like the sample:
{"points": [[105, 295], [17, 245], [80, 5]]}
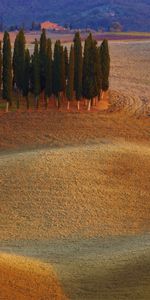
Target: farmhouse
{"points": [[51, 26]]}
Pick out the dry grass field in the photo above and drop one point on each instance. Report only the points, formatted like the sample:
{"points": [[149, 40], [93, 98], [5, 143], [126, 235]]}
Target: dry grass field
{"points": [[75, 194], [67, 37]]}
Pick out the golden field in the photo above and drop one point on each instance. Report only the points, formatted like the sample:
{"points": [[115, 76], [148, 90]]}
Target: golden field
{"points": [[75, 193]]}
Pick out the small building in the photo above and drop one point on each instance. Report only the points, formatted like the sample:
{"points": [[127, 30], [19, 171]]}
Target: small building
{"points": [[51, 26]]}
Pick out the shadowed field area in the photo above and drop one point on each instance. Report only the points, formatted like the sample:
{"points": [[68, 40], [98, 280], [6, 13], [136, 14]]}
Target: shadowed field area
{"points": [[93, 268]]}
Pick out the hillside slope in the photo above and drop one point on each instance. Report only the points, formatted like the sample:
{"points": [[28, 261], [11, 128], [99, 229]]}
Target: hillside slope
{"points": [[96, 13]]}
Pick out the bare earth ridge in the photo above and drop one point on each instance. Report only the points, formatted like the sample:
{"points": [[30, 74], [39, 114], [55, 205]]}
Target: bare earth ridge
{"points": [[29, 279]]}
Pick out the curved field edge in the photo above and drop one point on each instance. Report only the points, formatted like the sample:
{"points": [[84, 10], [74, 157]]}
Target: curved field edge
{"points": [[94, 268], [23, 278]]}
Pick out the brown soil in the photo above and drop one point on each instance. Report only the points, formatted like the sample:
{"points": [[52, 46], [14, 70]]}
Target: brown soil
{"points": [[51, 128]]}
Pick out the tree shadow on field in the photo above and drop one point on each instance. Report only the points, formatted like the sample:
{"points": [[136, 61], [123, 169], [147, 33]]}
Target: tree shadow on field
{"points": [[128, 281]]}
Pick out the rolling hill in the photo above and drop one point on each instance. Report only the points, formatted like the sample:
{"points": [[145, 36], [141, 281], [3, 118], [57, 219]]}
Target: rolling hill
{"points": [[133, 15]]}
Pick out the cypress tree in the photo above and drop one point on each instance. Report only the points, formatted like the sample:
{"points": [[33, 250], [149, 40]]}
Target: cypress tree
{"points": [[26, 82], [90, 70], [15, 63], [97, 71], [84, 71], [66, 62], [57, 72], [70, 85], [1, 63], [48, 87], [21, 59], [19, 62], [43, 54], [62, 75], [31, 73], [36, 74], [105, 65], [7, 69], [78, 67]]}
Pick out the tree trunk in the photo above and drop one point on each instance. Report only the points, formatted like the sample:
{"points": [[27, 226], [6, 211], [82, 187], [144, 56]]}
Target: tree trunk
{"points": [[43, 97], [36, 102], [58, 100], [102, 95], [10, 103], [78, 105], [7, 106], [18, 100], [46, 102], [85, 102], [68, 105], [64, 96], [93, 102], [89, 105], [27, 101], [18, 104]]}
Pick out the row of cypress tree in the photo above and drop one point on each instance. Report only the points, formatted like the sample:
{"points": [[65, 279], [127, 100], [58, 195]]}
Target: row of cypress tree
{"points": [[83, 73]]}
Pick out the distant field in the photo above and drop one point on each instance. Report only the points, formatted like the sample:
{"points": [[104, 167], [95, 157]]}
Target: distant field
{"points": [[66, 38]]}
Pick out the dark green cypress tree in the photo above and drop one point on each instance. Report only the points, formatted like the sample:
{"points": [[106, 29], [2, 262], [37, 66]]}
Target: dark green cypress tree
{"points": [[66, 62], [90, 70], [84, 71], [57, 72], [70, 85], [62, 75], [7, 69], [97, 71], [26, 82], [15, 63], [36, 74], [105, 64], [43, 50], [19, 62], [86, 68], [48, 87], [78, 66], [31, 74], [21, 59], [1, 64]]}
